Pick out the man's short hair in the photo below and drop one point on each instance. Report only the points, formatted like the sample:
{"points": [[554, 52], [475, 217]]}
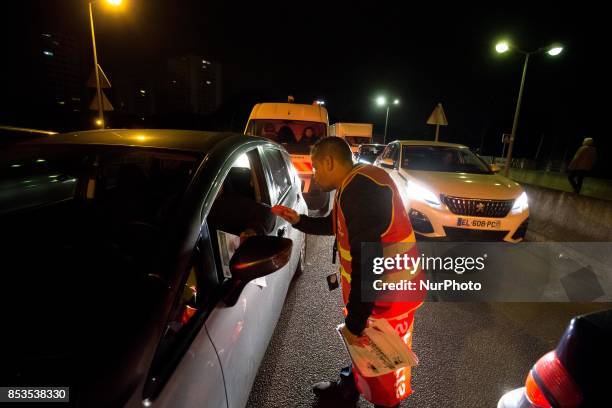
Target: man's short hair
{"points": [[335, 147]]}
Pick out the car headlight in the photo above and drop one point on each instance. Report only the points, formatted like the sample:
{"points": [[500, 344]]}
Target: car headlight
{"points": [[417, 192], [520, 204]]}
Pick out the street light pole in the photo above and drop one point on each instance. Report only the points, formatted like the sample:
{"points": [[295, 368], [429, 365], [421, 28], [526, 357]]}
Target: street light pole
{"points": [[502, 47], [95, 55], [386, 124], [382, 101], [516, 116]]}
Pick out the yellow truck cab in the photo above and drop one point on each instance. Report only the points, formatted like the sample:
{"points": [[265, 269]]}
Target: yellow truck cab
{"points": [[355, 134], [297, 127]]}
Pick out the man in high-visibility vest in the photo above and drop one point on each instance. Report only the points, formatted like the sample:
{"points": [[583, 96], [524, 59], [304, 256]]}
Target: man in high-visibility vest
{"points": [[367, 209]]}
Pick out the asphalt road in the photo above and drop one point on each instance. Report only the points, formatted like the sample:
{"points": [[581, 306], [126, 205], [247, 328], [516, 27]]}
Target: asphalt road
{"points": [[470, 353]]}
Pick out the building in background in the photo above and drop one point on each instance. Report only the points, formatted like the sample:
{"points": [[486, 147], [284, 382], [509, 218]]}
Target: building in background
{"points": [[135, 94], [192, 84], [59, 71]]}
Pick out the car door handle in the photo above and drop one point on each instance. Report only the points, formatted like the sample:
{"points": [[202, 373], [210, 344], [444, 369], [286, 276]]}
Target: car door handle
{"points": [[281, 232]]}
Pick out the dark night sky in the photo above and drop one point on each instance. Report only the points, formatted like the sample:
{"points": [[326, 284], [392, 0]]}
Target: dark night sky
{"points": [[348, 52]]}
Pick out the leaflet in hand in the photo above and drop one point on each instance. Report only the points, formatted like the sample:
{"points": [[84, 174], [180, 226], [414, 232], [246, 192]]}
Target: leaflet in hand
{"points": [[379, 350]]}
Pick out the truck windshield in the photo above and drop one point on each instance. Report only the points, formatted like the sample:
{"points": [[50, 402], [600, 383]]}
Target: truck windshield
{"points": [[292, 133]]}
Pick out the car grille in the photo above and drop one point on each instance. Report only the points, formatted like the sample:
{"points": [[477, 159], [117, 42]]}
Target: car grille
{"points": [[475, 207], [464, 234]]}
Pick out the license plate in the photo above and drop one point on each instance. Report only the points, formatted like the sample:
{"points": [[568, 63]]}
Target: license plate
{"points": [[478, 223]]}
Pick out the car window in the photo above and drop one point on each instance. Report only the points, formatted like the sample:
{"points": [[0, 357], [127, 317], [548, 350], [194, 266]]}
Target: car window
{"points": [[124, 197], [394, 153], [443, 159], [279, 171], [195, 299], [117, 180], [241, 207], [76, 224], [391, 153], [292, 170]]}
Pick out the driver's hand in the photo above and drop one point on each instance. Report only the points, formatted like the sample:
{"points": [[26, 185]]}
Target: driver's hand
{"points": [[286, 213]]}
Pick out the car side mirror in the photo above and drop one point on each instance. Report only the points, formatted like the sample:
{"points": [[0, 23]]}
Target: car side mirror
{"points": [[258, 256], [387, 163], [494, 168]]}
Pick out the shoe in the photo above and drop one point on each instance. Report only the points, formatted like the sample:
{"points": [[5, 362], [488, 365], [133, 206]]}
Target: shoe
{"points": [[338, 390]]}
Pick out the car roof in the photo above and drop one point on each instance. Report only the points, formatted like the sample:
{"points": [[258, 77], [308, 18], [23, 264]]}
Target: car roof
{"points": [[429, 143], [186, 140]]}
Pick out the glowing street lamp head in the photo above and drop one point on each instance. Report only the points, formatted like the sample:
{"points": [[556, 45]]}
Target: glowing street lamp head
{"points": [[381, 101], [114, 2], [554, 51], [502, 47], [396, 102]]}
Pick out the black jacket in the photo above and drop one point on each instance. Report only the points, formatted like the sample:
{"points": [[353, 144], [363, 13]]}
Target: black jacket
{"points": [[367, 209]]}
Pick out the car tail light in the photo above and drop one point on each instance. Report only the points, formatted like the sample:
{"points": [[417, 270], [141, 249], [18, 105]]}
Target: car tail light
{"points": [[549, 384], [534, 393]]}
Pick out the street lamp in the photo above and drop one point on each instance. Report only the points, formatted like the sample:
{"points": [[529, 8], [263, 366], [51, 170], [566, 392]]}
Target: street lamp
{"points": [[382, 101], [100, 120], [501, 48]]}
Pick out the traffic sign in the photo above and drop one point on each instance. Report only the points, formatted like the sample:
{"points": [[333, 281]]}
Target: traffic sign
{"points": [[104, 82], [105, 103], [437, 118]]}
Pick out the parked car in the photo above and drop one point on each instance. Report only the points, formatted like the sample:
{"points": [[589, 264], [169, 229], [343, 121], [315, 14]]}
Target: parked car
{"points": [[119, 280], [451, 193], [575, 373], [368, 153]]}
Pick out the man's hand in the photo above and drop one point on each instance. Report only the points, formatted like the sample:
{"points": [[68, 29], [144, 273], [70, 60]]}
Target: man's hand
{"points": [[286, 213], [354, 339]]}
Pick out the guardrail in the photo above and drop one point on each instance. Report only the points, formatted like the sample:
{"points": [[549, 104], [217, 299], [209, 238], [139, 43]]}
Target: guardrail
{"points": [[530, 164]]}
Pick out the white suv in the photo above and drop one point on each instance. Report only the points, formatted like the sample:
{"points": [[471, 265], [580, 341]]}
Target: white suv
{"points": [[452, 193]]}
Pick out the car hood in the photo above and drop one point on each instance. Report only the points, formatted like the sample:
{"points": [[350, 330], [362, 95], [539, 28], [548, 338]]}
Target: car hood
{"points": [[490, 186]]}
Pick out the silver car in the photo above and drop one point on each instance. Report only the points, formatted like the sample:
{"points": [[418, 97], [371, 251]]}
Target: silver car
{"points": [[143, 267]]}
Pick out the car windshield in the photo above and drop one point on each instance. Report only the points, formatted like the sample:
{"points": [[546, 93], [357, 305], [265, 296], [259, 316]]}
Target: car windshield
{"points": [[443, 159], [297, 136], [370, 150]]}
